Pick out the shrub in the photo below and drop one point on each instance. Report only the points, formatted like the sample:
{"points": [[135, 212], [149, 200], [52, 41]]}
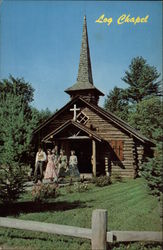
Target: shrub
{"points": [[12, 182], [152, 171], [80, 187], [101, 181], [41, 192], [69, 189]]}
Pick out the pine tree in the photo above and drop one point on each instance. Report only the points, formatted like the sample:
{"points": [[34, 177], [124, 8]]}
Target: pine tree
{"points": [[18, 119], [141, 78], [41, 115], [116, 103], [153, 173], [16, 126], [147, 117], [140, 105]]}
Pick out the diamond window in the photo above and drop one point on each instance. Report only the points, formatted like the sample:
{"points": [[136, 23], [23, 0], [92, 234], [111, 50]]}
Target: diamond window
{"points": [[82, 118]]}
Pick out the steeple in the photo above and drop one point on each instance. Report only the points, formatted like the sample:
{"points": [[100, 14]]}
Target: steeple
{"points": [[84, 86], [85, 70]]}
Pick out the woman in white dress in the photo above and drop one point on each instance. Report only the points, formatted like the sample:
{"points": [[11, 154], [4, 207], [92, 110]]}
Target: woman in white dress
{"points": [[50, 172]]}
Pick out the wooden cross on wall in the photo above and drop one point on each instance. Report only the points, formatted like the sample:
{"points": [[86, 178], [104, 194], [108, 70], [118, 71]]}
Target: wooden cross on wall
{"points": [[74, 110]]}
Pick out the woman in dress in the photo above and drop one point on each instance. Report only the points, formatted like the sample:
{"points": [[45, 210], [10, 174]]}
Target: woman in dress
{"points": [[55, 156], [50, 172], [73, 161], [62, 161]]}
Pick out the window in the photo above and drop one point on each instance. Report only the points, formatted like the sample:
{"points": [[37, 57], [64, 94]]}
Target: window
{"points": [[82, 118], [117, 146]]}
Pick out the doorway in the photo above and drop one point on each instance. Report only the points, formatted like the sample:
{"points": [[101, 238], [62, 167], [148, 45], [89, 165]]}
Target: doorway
{"points": [[83, 150]]}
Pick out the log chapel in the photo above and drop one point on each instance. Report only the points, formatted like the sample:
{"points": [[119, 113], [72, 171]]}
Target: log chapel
{"points": [[104, 144]]}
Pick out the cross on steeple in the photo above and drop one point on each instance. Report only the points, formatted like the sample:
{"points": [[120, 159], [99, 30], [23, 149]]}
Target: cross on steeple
{"points": [[74, 110]]}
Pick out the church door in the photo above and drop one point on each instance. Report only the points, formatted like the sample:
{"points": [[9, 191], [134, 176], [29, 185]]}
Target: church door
{"points": [[83, 150]]}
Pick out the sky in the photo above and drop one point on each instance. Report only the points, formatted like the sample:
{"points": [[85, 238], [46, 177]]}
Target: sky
{"points": [[40, 41]]}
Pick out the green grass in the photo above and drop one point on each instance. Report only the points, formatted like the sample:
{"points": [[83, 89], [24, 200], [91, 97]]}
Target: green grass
{"points": [[129, 206]]}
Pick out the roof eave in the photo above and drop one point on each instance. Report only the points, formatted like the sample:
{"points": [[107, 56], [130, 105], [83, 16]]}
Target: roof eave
{"points": [[54, 115], [143, 140], [76, 124], [71, 91], [123, 125]]}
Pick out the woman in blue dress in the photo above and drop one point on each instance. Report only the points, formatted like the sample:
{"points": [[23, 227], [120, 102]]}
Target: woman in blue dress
{"points": [[73, 162], [62, 164]]}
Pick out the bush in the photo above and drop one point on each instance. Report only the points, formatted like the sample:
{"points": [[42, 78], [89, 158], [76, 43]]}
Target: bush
{"points": [[41, 192], [12, 180], [69, 189], [152, 171], [80, 187], [101, 181]]}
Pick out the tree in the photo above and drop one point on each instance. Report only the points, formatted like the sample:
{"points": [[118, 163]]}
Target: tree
{"points": [[147, 117], [18, 87], [141, 78], [41, 115], [153, 173], [18, 119], [16, 126], [140, 105], [116, 103], [12, 179]]}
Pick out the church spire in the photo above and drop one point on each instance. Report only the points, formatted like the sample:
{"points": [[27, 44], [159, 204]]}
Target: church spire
{"points": [[85, 71], [84, 86]]}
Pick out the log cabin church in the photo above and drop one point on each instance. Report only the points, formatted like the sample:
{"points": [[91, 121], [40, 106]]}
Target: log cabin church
{"points": [[104, 144]]}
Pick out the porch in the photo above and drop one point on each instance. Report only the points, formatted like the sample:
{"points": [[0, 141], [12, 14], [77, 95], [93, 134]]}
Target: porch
{"points": [[89, 148]]}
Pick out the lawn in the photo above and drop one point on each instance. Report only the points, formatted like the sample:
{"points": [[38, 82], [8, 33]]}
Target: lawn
{"points": [[129, 206]]}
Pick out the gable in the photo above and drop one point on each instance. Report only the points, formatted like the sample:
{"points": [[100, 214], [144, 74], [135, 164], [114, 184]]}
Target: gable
{"points": [[101, 121], [105, 128], [56, 120], [71, 130]]}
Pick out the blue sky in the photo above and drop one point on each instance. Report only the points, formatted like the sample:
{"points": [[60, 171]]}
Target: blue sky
{"points": [[40, 41]]}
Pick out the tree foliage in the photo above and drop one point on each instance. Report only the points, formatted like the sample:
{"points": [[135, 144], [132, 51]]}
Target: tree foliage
{"points": [[17, 87], [16, 123], [116, 104], [152, 171], [12, 179], [16, 126], [141, 78], [18, 119], [146, 116], [140, 105], [41, 115]]}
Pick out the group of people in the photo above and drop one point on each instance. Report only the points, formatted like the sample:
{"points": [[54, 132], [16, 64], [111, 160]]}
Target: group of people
{"points": [[57, 165]]}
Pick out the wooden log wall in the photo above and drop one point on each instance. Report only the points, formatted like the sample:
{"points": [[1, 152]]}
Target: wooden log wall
{"points": [[57, 122], [109, 131]]}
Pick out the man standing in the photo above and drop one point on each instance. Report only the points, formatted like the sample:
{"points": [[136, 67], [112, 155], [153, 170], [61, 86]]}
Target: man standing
{"points": [[39, 163]]}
